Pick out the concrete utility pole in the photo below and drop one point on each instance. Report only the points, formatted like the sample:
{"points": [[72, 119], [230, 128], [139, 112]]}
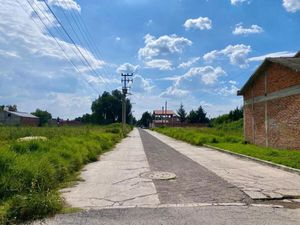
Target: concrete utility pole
{"points": [[125, 80]]}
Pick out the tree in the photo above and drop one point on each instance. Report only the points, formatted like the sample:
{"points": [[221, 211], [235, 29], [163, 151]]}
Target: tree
{"points": [[198, 116], [192, 117], [108, 109], [146, 119], [43, 116], [12, 108], [181, 113], [202, 115], [236, 114]]}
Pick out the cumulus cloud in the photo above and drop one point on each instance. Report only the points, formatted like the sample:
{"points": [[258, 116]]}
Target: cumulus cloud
{"points": [[128, 68], [34, 66], [201, 23], [253, 29], [189, 63], [173, 91], [161, 64], [65, 4], [235, 2], [228, 90], [195, 76], [237, 54], [163, 45], [270, 55], [141, 84], [291, 5]]}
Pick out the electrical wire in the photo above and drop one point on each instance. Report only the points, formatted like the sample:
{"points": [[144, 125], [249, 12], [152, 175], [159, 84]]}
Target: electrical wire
{"points": [[73, 42], [52, 35]]}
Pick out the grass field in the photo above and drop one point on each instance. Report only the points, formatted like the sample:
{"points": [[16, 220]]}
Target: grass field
{"points": [[31, 172], [230, 137]]}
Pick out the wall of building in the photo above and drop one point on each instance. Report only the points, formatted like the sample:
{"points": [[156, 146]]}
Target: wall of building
{"points": [[273, 121], [9, 119], [25, 121]]}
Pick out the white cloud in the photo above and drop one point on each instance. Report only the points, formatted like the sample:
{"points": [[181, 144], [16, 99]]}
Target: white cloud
{"points": [[291, 5], [195, 76], [161, 64], [228, 90], [140, 84], [237, 54], [274, 54], [35, 67], [128, 68], [11, 54], [201, 23], [174, 92], [189, 63], [66, 4], [253, 29], [118, 39], [163, 45], [235, 2]]}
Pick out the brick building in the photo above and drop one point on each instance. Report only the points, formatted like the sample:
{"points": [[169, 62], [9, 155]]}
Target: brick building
{"points": [[272, 103], [12, 118], [164, 118]]}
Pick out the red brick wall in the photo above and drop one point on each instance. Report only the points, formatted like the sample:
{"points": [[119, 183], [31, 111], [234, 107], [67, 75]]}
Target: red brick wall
{"points": [[284, 122], [280, 77], [283, 114]]}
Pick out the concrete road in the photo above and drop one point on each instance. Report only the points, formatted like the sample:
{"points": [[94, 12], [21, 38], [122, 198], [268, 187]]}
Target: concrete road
{"points": [[210, 187]]}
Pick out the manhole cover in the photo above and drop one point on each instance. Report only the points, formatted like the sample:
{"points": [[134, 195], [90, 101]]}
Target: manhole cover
{"points": [[158, 175]]}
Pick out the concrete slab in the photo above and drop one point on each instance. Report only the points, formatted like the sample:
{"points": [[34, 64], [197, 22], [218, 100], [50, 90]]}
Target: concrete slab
{"points": [[114, 180], [246, 174]]}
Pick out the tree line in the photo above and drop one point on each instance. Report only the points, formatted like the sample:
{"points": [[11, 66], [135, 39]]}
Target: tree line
{"points": [[198, 116]]}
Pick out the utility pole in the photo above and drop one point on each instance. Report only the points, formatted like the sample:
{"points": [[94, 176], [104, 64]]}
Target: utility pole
{"points": [[125, 80]]}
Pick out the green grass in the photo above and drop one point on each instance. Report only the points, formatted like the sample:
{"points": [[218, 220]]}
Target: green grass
{"points": [[200, 136], [229, 137], [32, 172], [289, 158]]}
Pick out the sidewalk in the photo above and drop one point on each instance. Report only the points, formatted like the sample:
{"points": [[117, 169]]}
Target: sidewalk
{"points": [[114, 180], [258, 181]]}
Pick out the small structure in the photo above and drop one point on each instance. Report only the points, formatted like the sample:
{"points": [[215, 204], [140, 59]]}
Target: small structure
{"points": [[164, 118], [272, 103], [14, 118]]}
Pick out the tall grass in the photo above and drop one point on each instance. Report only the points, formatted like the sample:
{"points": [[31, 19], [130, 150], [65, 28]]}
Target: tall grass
{"points": [[31, 172], [200, 136]]}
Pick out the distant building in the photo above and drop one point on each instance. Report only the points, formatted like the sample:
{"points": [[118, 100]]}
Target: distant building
{"points": [[164, 118], [12, 118], [272, 103]]}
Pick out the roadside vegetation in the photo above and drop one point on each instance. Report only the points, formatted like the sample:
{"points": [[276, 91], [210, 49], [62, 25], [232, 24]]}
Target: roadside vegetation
{"points": [[32, 172], [226, 132]]}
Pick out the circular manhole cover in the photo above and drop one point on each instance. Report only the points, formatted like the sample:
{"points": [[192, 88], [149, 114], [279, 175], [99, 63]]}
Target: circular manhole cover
{"points": [[158, 175]]}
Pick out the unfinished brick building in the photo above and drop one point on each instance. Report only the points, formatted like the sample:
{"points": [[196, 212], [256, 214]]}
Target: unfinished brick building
{"points": [[272, 104]]}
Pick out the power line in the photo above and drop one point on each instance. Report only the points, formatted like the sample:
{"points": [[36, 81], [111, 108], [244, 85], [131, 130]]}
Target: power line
{"points": [[52, 35], [66, 32], [86, 34], [74, 30]]}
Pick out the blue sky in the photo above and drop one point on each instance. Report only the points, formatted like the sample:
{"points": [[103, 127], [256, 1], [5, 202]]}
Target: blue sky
{"points": [[195, 52]]}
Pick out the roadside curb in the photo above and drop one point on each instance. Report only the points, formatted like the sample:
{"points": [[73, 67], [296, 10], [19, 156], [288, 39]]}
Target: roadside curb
{"points": [[282, 167]]}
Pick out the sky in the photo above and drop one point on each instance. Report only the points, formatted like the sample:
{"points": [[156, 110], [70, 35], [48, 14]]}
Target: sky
{"points": [[194, 52]]}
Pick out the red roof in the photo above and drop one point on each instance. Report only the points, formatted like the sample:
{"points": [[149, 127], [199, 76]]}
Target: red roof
{"points": [[163, 112]]}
